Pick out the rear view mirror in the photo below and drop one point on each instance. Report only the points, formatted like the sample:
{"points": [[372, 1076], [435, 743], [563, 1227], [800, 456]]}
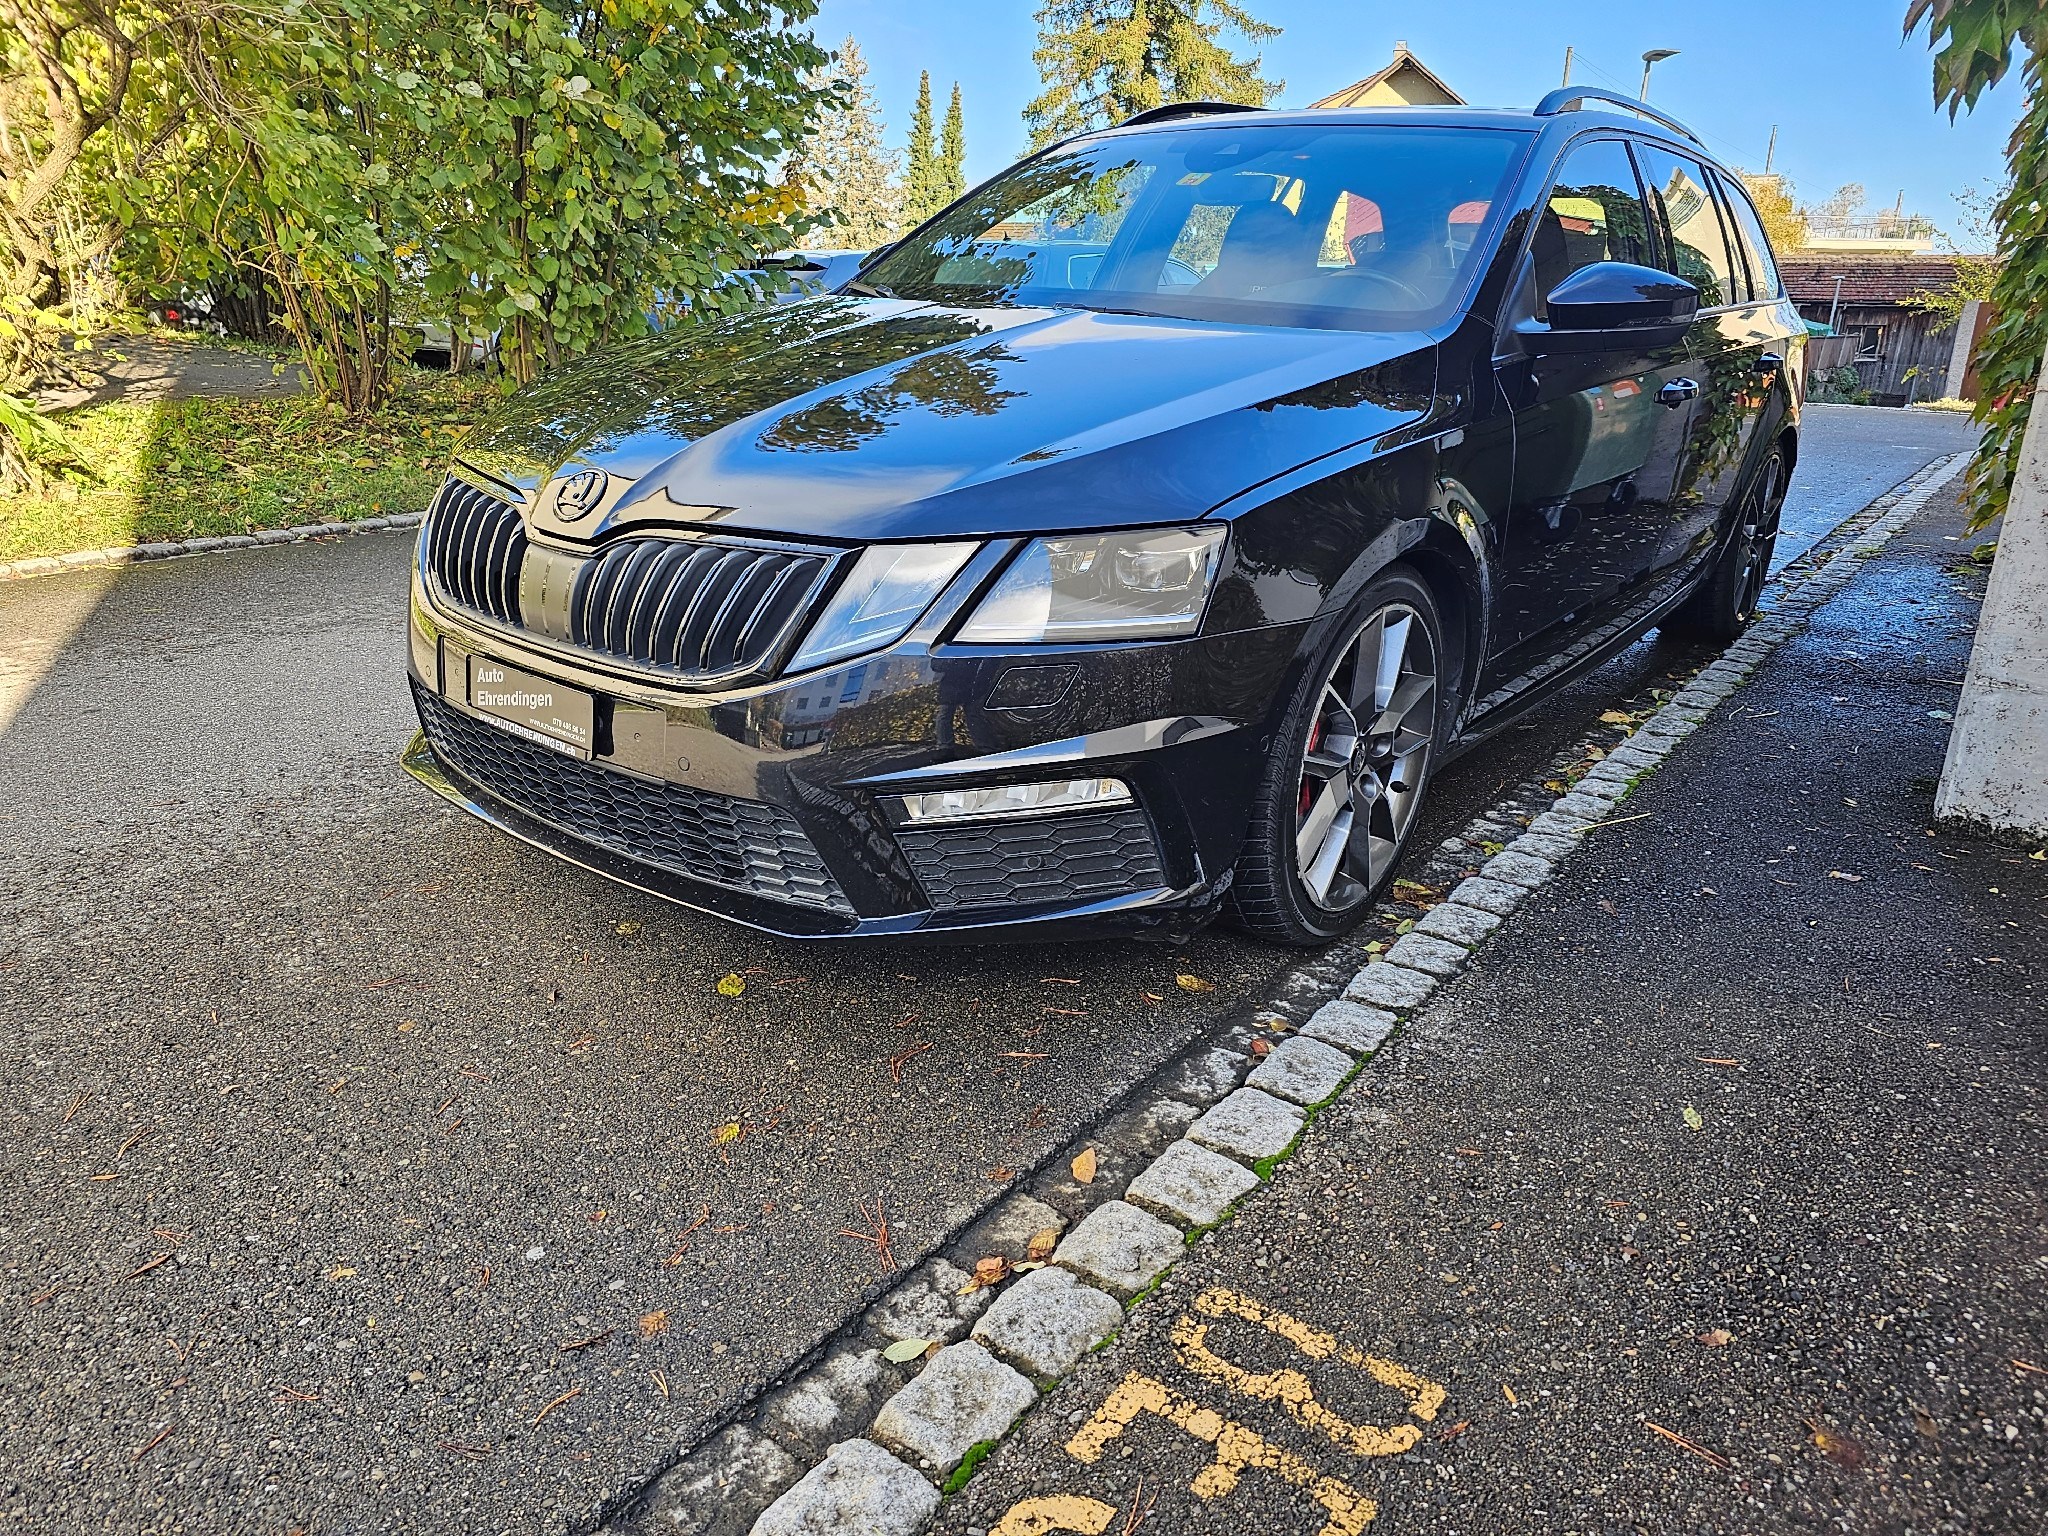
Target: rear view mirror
{"points": [[1614, 303]]}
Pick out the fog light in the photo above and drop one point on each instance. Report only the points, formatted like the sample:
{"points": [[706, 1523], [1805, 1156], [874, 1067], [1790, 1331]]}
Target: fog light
{"points": [[1014, 799]]}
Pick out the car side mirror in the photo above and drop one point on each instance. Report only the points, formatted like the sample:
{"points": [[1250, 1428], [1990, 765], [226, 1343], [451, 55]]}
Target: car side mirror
{"points": [[1613, 304]]}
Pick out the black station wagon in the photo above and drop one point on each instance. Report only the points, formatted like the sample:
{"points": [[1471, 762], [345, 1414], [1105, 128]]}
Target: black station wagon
{"points": [[1130, 542]]}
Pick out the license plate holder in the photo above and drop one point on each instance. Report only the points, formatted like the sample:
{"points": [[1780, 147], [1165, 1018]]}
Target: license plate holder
{"points": [[539, 709]]}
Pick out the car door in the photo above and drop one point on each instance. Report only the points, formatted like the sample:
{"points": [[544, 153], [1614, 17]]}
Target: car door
{"points": [[1729, 343], [1597, 434]]}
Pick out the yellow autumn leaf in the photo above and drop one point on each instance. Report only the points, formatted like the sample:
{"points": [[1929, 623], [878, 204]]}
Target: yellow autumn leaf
{"points": [[731, 984], [1193, 984], [1084, 1166], [728, 1132], [340, 1272], [629, 927], [652, 1323]]}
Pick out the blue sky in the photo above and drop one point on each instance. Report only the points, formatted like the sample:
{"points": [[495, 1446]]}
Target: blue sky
{"points": [[1851, 101]]}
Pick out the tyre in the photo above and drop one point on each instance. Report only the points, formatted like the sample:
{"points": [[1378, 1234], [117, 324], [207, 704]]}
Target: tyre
{"points": [[1348, 770], [1726, 598]]}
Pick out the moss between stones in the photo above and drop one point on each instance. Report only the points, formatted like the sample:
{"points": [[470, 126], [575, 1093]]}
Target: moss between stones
{"points": [[976, 1455]]}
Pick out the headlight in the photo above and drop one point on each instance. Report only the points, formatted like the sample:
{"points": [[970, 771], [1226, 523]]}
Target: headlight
{"points": [[1147, 583], [889, 586]]}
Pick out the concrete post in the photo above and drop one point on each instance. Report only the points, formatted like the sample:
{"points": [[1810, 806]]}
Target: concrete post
{"points": [[1996, 776]]}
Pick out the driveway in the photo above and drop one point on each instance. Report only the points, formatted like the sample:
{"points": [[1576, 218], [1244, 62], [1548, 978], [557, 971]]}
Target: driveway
{"points": [[370, 1171]]}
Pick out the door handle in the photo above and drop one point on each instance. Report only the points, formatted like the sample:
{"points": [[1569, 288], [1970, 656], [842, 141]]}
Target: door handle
{"points": [[1677, 392], [1770, 362]]}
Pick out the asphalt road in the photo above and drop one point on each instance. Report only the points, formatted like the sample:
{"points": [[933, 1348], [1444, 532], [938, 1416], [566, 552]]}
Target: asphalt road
{"points": [[333, 1117], [1814, 1305]]}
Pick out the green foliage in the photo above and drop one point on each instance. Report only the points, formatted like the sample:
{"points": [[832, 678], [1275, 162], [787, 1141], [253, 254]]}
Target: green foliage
{"points": [[953, 152], [923, 180], [842, 167], [1103, 60], [1838, 386], [126, 473], [1975, 42]]}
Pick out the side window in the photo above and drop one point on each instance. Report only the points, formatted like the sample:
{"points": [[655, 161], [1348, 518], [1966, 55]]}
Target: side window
{"points": [[1699, 246], [1595, 213], [1749, 229]]}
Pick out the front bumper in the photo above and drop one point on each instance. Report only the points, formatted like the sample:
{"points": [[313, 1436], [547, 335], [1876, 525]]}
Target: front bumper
{"points": [[773, 805]]}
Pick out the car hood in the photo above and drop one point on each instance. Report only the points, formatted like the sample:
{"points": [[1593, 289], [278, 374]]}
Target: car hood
{"points": [[853, 419]]}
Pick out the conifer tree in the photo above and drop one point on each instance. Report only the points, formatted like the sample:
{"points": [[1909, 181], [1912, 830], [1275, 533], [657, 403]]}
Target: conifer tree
{"points": [[953, 151], [1103, 60]]}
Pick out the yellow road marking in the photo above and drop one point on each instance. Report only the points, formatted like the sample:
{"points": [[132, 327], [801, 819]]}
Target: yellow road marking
{"points": [[1290, 1388], [1055, 1512], [1237, 1448]]}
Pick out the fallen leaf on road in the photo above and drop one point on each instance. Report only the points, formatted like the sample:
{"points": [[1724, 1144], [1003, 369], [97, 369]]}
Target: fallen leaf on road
{"points": [[652, 1323], [1042, 1243], [1925, 1423], [1716, 1338], [903, 1351], [340, 1272], [1615, 717], [731, 984], [1262, 1047], [987, 1272], [1509, 1393], [1694, 1120], [1837, 874], [1084, 1166], [1000, 1175], [1455, 1430], [628, 928], [728, 1132], [1839, 1449], [1193, 984]]}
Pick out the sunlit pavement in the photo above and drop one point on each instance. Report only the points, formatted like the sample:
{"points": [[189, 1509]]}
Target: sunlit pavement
{"points": [[367, 1170], [1707, 1199]]}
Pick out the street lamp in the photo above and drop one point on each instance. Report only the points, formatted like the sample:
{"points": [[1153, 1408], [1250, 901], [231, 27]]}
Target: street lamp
{"points": [[1652, 56]]}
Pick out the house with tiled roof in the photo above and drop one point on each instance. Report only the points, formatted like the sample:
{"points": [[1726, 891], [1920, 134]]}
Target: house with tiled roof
{"points": [[1406, 82], [1899, 350]]}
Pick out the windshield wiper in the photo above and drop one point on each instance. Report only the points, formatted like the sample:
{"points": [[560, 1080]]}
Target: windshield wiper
{"points": [[866, 290]]}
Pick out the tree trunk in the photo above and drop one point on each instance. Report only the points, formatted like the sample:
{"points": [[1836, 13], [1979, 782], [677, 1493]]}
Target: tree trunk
{"points": [[1996, 777]]}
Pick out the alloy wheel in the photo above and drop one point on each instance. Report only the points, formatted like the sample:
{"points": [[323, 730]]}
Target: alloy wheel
{"points": [[1760, 536], [1367, 752]]}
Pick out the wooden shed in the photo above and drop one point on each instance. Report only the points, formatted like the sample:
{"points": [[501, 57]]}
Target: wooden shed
{"points": [[1900, 352]]}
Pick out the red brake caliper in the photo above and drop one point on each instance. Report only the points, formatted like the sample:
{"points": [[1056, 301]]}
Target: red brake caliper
{"points": [[1308, 793]]}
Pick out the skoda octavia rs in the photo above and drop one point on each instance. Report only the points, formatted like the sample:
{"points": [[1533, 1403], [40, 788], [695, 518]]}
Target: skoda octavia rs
{"points": [[1129, 543]]}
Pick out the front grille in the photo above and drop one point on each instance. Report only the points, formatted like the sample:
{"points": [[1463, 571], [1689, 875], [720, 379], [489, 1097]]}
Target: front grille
{"points": [[1033, 861], [693, 610], [697, 608], [476, 544], [741, 844]]}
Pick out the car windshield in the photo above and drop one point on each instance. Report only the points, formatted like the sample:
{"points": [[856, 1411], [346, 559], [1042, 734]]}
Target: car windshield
{"points": [[1351, 226]]}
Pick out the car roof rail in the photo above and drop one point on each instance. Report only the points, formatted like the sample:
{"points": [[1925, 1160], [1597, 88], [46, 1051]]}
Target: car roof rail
{"points": [[1571, 98], [1172, 110]]}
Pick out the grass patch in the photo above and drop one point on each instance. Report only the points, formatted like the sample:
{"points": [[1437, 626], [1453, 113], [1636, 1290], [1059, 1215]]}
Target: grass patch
{"points": [[202, 468], [977, 1453]]}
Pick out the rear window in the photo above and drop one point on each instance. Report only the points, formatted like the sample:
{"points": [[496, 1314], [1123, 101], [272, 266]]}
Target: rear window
{"points": [[1699, 245], [1348, 226]]}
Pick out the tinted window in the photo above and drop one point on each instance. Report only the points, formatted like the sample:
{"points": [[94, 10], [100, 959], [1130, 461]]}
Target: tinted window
{"points": [[1750, 230], [1346, 225], [1699, 246], [1595, 213]]}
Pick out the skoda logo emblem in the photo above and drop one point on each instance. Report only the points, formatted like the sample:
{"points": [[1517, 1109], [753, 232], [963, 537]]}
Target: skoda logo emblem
{"points": [[579, 493]]}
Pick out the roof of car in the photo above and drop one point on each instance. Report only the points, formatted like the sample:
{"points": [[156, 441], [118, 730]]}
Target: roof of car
{"points": [[1525, 119]]}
